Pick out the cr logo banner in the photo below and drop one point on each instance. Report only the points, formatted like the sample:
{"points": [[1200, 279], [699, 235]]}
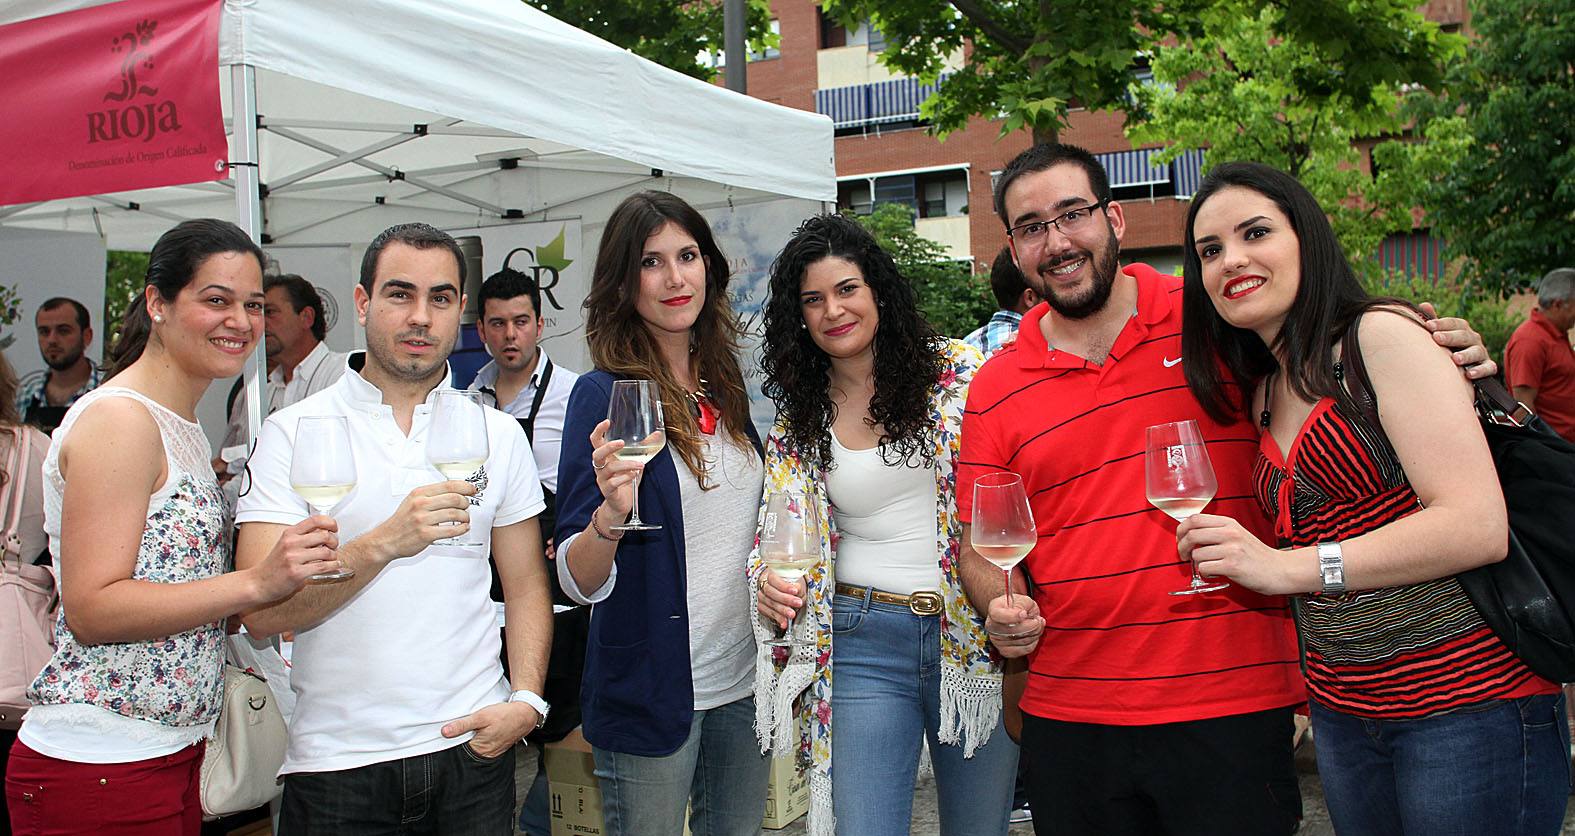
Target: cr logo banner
{"points": [[111, 98]]}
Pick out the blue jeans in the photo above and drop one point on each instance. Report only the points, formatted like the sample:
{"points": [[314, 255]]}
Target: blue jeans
{"points": [[453, 792], [1501, 768], [719, 772], [886, 700]]}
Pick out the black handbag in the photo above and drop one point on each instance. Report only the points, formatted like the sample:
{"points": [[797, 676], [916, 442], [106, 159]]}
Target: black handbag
{"points": [[1528, 598]]}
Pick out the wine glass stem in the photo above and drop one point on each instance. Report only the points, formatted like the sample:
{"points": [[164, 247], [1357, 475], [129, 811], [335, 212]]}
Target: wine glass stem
{"points": [[1008, 573], [792, 639], [634, 499]]}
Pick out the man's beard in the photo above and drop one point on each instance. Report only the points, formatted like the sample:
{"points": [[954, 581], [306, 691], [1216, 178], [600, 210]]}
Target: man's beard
{"points": [[65, 361], [1102, 278], [412, 370]]}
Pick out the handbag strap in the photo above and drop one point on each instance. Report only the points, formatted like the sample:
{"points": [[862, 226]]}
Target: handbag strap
{"points": [[16, 484]]}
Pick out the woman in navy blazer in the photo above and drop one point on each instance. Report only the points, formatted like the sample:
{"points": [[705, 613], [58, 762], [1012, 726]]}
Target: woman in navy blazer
{"points": [[667, 697]]}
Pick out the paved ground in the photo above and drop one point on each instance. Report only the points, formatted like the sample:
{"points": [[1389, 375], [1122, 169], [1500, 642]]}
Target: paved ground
{"points": [[925, 820]]}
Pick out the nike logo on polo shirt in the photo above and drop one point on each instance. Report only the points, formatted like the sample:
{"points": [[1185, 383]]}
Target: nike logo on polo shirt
{"points": [[1169, 362]]}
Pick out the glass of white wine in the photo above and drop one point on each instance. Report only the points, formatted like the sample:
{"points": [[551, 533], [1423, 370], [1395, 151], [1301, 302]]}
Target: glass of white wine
{"points": [[1180, 481], [457, 443], [790, 544], [1003, 529], [322, 470], [635, 416]]}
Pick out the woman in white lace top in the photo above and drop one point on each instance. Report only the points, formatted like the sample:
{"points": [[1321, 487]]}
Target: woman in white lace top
{"points": [[140, 537]]}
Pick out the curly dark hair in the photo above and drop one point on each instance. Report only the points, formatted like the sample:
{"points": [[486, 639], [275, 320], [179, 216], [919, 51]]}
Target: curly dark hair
{"points": [[909, 354]]}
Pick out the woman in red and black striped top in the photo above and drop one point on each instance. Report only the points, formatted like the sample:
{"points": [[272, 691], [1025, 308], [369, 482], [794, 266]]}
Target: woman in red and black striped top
{"points": [[1425, 721]]}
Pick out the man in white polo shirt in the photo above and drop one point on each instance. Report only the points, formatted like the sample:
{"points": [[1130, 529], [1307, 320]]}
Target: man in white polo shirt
{"points": [[404, 721]]}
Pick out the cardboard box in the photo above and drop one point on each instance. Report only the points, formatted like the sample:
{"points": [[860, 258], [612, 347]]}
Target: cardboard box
{"points": [[575, 798], [787, 796]]}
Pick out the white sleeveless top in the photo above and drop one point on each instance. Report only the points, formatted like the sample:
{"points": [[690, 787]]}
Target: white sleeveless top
{"points": [[122, 702], [885, 521]]}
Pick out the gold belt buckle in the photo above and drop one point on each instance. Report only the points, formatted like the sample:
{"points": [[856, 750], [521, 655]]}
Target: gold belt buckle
{"points": [[925, 603]]}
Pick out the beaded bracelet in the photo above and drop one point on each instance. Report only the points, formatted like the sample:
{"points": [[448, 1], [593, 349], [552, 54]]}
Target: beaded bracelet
{"points": [[596, 527]]}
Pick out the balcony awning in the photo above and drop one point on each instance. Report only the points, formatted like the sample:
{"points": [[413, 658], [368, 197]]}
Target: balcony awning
{"points": [[1189, 172], [1134, 168], [896, 100]]}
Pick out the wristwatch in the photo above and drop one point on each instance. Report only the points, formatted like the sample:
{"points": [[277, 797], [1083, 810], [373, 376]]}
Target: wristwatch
{"points": [[1331, 567], [532, 699]]}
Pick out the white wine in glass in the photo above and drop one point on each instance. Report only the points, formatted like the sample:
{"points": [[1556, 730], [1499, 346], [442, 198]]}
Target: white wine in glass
{"points": [[457, 444], [790, 545], [322, 470], [634, 415], [1002, 530], [1180, 481]]}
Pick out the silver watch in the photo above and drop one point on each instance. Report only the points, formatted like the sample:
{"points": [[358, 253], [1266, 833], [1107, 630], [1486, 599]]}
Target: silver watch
{"points": [[534, 700], [1331, 567]]}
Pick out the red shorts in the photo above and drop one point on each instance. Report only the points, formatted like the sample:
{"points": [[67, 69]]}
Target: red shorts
{"points": [[155, 797]]}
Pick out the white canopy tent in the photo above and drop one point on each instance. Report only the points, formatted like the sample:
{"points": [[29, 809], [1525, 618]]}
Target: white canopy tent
{"points": [[357, 114]]}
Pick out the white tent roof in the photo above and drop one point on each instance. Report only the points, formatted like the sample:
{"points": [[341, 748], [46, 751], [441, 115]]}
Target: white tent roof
{"points": [[461, 113]]}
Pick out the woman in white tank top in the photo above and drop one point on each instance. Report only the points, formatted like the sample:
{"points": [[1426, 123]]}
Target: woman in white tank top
{"points": [[870, 404], [140, 537]]}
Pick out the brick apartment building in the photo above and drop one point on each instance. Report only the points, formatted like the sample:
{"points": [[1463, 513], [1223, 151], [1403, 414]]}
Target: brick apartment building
{"points": [[883, 152]]}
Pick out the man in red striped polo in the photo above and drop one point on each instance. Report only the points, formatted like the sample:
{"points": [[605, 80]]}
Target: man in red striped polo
{"points": [[1144, 713]]}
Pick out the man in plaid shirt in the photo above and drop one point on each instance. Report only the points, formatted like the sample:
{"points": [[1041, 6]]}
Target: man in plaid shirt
{"points": [[64, 333], [1015, 298]]}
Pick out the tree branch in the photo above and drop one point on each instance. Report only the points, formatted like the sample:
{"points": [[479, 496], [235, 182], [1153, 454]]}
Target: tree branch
{"points": [[988, 25]]}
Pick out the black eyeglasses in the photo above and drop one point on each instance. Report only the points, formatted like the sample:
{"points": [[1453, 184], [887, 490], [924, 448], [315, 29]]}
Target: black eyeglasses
{"points": [[1070, 223]]}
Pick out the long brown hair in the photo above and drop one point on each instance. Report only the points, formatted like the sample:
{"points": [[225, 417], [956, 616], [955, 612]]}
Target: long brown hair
{"points": [[621, 344]]}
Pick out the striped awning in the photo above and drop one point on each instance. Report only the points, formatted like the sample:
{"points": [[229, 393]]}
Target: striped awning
{"points": [[1134, 168], [896, 100], [1138, 168], [1189, 172]]}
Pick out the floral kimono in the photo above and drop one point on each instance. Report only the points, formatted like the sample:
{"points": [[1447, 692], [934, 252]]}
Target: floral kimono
{"points": [[793, 696]]}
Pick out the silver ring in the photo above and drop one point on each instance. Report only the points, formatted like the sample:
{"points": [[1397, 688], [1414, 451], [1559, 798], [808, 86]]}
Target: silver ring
{"points": [[595, 466]]}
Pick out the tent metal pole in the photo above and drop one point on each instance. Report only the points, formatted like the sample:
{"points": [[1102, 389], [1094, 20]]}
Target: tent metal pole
{"points": [[248, 214]]}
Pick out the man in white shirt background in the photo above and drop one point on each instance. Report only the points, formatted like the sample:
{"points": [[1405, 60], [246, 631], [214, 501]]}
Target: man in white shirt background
{"points": [[524, 382], [404, 721], [299, 362]]}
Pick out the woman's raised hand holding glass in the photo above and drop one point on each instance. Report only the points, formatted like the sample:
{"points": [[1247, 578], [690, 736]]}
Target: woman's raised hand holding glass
{"points": [[790, 544], [634, 416], [1180, 481], [322, 470]]}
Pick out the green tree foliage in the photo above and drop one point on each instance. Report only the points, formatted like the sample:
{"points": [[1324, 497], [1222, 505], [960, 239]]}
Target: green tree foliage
{"points": [[125, 274], [954, 300], [1246, 92], [1485, 309], [1030, 62], [673, 34], [1507, 203]]}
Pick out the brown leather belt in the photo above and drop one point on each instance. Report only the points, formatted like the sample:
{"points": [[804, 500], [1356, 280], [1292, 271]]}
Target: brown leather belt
{"points": [[923, 602]]}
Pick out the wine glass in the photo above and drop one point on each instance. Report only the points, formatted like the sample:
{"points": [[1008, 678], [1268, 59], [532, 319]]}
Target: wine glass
{"points": [[1180, 481], [1003, 529], [635, 416], [322, 470], [457, 443], [790, 544]]}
